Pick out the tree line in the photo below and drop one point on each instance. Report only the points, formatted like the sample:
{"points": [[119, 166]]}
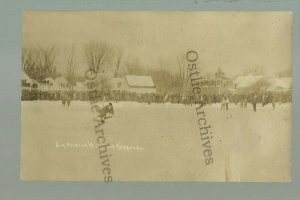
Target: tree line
{"points": [[41, 62]]}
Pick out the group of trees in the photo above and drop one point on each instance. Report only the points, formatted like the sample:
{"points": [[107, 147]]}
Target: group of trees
{"points": [[41, 62]]}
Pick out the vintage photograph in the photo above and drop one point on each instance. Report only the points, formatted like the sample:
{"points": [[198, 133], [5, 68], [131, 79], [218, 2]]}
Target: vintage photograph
{"points": [[156, 96]]}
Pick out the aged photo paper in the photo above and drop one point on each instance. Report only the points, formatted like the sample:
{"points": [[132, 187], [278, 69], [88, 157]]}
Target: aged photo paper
{"points": [[156, 96]]}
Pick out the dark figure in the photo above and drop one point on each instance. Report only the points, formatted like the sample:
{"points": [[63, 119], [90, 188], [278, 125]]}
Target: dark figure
{"points": [[255, 98], [108, 109], [69, 98], [245, 102], [273, 101], [226, 102], [68, 101], [63, 100], [223, 103]]}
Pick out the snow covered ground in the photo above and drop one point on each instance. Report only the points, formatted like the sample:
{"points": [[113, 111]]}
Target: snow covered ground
{"points": [[156, 142]]}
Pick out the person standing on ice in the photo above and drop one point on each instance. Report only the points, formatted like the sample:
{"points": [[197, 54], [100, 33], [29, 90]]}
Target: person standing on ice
{"points": [[226, 102], [273, 101], [245, 102], [223, 103], [254, 102], [106, 110], [63, 99]]}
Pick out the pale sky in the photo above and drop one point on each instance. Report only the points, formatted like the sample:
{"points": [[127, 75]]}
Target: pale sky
{"points": [[230, 40]]}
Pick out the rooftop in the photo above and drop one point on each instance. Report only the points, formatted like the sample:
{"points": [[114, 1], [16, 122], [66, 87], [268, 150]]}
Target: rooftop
{"points": [[139, 81]]}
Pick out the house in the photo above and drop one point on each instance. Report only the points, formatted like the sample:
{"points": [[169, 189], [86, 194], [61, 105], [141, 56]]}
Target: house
{"points": [[62, 82], [218, 84], [27, 81], [133, 83], [280, 84], [48, 82], [247, 81]]}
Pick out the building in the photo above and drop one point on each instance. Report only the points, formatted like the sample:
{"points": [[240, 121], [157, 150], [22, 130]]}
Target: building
{"points": [[62, 82], [254, 83], [218, 84], [48, 82], [27, 82], [133, 83]]}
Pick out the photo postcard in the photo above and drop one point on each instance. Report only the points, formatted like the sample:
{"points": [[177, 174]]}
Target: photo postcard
{"points": [[185, 96]]}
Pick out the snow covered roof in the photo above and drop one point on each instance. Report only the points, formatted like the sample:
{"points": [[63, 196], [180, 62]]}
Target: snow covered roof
{"points": [[271, 83], [139, 81], [280, 83], [247, 81], [27, 78]]}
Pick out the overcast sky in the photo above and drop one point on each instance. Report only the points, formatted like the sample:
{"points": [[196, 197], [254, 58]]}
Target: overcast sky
{"points": [[230, 40]]}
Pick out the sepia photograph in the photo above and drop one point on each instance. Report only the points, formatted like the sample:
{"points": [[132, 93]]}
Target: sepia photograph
{"points": [[150, 96]]}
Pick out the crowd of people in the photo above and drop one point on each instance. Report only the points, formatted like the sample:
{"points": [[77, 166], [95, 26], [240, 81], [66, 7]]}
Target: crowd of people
{"points": [[115, 96]]}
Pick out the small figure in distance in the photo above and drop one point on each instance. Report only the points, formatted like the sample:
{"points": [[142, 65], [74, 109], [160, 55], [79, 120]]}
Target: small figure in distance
{"points": [[223, 103], [63, 101], [226, 102], [254, 101], [273, 101]]}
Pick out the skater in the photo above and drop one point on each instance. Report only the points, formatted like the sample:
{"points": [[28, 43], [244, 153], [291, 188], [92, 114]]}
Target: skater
{"points": [[273, 101], [63, 100], [108, 109], [223, 103], [264, 99], [68, 101], [245, 103], [254, 102], [226, 102]]}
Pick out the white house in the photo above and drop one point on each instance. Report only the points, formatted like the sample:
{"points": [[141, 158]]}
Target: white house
{"points": [[27, 81], [133, 83]]}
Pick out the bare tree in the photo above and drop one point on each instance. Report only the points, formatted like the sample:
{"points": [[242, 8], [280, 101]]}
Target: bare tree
{"points": [[162, 79], [28, 61], [95, 54], [134, 66], [117, 61], [70, 70], [114, 58], [182, 76], [47, 59], [39, 63]]}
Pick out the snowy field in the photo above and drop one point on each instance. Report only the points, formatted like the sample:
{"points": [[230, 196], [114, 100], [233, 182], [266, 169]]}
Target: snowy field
{"points": [[156, 142]]}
